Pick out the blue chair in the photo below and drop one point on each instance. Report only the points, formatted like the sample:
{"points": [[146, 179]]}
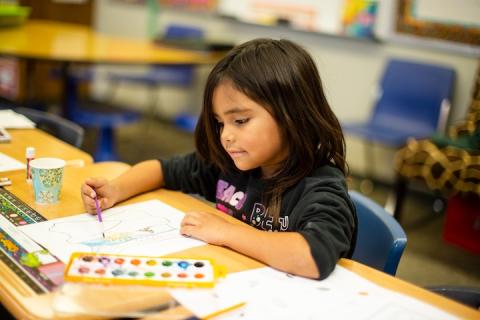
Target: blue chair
{"points": [[414, 101], [99, 115], [380, 239], [160, 75]]}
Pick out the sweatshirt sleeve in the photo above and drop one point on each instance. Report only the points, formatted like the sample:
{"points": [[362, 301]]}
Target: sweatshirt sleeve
{"points": [[190, 174], [328, 222]]}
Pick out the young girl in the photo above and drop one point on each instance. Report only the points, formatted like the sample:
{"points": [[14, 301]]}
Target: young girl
{"points": [[271, 153]]}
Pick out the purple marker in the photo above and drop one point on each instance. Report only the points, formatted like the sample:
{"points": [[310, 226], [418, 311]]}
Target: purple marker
{"points": [[99, 213]]}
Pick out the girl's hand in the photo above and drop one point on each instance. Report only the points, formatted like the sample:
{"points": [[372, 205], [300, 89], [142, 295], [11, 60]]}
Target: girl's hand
{"points": [[205, 226], [104, 190]]}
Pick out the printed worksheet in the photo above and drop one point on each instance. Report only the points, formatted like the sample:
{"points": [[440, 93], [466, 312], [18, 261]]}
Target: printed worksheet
{"points": [[271, 294], [149, 228]]}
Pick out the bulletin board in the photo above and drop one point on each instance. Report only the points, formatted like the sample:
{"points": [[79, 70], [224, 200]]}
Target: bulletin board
{"points": [[190, 5], [186, 5], [455, 21], [351, 18]]}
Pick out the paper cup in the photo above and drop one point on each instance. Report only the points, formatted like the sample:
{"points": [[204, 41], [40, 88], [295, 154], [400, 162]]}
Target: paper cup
{"points": [[47, 176]]}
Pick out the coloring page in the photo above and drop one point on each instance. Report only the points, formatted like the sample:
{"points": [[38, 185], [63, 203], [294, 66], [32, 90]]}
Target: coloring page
{"points": [[149, 228]]}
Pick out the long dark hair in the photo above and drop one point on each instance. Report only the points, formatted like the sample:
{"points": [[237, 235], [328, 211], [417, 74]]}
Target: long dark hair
{"points": [[282, 77]]}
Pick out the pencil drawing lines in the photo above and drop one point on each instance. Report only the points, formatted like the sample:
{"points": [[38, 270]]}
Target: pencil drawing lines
{"points": [[121, 227], [145, 228]]}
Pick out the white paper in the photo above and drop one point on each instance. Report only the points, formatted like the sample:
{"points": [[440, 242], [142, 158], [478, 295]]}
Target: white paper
{"points": [[11, 120], [270, 294], [8, 163], [149, 228], [206, 302]]}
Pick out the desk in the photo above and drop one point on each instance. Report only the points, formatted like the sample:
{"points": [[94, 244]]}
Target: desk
{"points": [[70, 43], [23, 303], [49, 40], [45, 146]]}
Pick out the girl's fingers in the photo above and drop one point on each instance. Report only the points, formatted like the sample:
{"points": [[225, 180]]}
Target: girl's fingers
{"points": [[191, 219], [96, 182], [89, 205], [187, 221], [186, 231], [87, 191], [103, 203]]}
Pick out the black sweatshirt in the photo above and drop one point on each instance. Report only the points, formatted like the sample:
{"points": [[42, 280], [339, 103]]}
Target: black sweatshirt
{"points": [[318, 207]]}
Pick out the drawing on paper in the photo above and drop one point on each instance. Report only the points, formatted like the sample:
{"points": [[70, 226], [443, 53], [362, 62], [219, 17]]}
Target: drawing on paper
{"points": [[122, 226], [146, 228]]}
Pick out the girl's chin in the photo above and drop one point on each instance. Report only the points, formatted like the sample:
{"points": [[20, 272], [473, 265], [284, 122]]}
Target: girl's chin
{"points": [[242, 166]]}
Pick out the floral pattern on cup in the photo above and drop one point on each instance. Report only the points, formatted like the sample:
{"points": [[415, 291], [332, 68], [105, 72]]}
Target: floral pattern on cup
{"points": [[46, 197], [50, 177], [47, 176]]}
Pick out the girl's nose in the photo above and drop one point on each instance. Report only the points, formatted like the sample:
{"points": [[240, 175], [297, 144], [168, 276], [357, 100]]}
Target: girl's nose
{"points": [[227, 136]]}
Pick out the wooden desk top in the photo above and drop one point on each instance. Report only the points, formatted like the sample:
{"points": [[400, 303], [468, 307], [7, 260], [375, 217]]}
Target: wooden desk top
{"points": [[48, 40], [25, 304], [45, 146]]}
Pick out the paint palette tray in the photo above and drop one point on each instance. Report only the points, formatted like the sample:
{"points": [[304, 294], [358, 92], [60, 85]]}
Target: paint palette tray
{"points": [[142, 270]]}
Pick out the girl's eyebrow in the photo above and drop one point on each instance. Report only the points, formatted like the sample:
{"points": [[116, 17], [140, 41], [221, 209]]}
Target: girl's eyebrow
{"points": [[235, 110]]}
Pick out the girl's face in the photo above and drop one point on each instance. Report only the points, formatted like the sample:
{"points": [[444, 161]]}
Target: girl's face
{"points": [[248, 132]]}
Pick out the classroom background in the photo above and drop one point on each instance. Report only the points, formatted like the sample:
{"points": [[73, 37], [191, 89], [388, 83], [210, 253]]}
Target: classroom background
{"points": [[351, 42]]}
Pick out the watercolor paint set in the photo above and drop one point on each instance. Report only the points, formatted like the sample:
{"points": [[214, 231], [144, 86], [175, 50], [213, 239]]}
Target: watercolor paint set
{"points": [[141, 270]]}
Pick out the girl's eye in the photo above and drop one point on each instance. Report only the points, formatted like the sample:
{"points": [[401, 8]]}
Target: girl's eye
{"points": [[241, 121]]}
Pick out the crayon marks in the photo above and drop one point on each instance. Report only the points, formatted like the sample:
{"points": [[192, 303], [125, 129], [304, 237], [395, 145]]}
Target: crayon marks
{"points": [[149, 228], [120, 230]]}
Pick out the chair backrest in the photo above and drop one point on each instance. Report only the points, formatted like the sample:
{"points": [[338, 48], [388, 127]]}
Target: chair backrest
{"points": [[412, 94], [380, 239], [179, 31], [59, 127], [469, 296], [178, 74]]}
